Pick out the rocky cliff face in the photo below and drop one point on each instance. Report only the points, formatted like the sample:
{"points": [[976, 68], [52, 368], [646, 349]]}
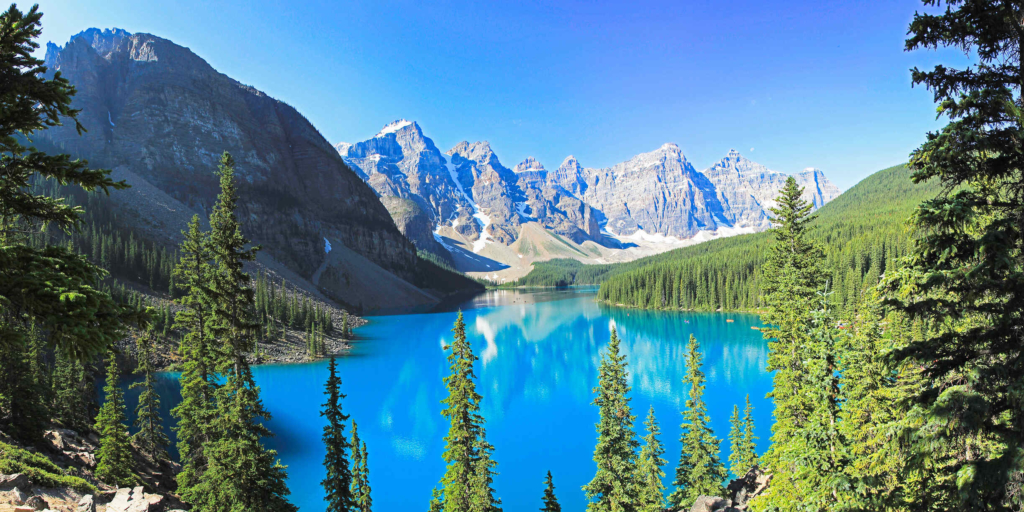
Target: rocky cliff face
{"points": [[657, 194], [159, 112]]}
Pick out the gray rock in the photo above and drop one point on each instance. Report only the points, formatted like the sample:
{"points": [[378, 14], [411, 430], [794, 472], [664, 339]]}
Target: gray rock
{"points": [[16, 496], [161, 115], [710, 504], [14, 480], [86, 504], [36, 503]]}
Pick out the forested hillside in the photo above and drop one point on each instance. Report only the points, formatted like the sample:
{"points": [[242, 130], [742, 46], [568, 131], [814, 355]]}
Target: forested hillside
{"points": [[862, 232]]}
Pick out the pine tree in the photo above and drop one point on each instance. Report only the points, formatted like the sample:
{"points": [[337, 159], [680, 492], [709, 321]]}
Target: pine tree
{"points": [[242, 474], [338, 483], [650, 489], [700, 469], [550, 500], [150, 438], [965, 276], [195, 412], [466, 485], [613, 488], [114, 456]]}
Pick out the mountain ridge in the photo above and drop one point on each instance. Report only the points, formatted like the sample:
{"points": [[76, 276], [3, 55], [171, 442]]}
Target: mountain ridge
{"points": [[655, 197]]}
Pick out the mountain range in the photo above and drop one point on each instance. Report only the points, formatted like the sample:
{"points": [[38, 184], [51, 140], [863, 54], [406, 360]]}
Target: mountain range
{"points": [[462, 202], [345, 221]]}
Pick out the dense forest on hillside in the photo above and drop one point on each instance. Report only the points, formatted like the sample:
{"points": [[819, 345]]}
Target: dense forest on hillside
{"points": [[862, 232]]}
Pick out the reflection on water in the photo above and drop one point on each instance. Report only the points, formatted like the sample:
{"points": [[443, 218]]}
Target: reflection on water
{"points": [[538, 362]]}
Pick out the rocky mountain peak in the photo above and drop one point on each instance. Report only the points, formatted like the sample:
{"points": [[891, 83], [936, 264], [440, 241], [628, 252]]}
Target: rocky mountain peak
{"points": [[399, 125], [570, 164], [530, 164]]}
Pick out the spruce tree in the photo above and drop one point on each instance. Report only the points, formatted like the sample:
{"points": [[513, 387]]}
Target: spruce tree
{"points": [[736, 464], [748, 446], [466, 485], [150, 438], [742, 441], [613, 487], [360, 487], [114, 462], [700, 469], [69, 391], [650, 489], [52, 286], [364, 502], [195, 412], [338, 482], [965, 276], [242, 474], [805, 453], [550, 500], [24, 391]]}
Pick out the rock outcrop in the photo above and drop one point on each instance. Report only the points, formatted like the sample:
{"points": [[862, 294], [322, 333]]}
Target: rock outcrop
{"points": [[740, 492], [161, 114]]}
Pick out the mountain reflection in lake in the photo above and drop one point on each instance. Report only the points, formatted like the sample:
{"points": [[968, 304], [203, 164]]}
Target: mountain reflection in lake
{"points": [[539, 354]]}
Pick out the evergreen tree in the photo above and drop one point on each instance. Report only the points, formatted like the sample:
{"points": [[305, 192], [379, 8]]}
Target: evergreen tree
{"points": [[70, 395], [805, 452], [650, 489], [550, 500], [114, 456], [613, 487], [736, 443], [748, 446], [360, 486], [150, 438], [24, 390], [364, 502], [242, 474], [338, 483], [965, 277], [195, 412], [742, 441], [876, 416], [700, 469], [466, 485], [51, 286]]}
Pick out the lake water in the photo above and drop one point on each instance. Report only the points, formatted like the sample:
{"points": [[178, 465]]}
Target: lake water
{"points": [[539, 353]]}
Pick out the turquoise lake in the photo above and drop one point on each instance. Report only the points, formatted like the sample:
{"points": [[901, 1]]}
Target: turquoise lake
{"points": [[538, 353]]}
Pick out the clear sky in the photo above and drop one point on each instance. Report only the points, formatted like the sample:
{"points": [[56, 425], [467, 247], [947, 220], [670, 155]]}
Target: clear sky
{"points": [[790, 84]]}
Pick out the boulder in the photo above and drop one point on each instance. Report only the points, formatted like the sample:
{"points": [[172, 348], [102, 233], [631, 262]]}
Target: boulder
{"points": [[750, 486], [15, 480], [14, 497], [86, 504], [37, 503], [710, 504], [134, 500]]}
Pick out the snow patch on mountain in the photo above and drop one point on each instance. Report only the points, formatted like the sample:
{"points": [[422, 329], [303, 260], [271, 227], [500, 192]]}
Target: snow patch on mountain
{"points": [[393, 127]]}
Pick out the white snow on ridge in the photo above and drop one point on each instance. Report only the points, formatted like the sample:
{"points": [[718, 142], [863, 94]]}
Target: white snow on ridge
{"points": [[485, 237], [701, 236], [393, 127], [481, 217]]}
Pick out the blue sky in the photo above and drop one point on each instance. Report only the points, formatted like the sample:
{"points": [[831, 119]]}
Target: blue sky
{"points": [[790, 84]]}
